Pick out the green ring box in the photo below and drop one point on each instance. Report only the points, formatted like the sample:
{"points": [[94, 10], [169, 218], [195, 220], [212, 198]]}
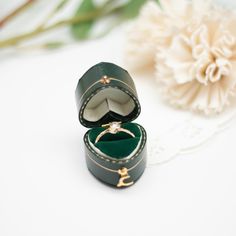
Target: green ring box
{"points": [[106, 93]]}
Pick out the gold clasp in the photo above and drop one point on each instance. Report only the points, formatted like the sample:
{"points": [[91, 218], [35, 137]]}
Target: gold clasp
{"points": [[123, 172]]}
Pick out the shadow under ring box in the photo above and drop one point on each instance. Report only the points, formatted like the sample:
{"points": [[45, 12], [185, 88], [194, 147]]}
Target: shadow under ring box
{"points": [[106, 95]]}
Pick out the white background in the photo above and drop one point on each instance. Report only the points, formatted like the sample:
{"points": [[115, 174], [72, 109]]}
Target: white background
{"points": [[45, 187]]}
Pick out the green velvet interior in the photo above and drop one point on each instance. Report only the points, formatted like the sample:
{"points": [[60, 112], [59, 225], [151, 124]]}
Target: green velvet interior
{"points": [[118, 145]]}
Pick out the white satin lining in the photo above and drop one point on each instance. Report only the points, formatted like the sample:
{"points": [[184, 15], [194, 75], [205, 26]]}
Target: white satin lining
{"points": [[110, 99]]}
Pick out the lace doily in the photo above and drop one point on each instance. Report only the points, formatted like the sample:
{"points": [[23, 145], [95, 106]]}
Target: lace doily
{"points": [[185, 136]]}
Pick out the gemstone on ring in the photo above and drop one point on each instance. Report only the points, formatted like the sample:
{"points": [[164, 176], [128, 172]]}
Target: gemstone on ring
{"points": [[114, 127]]}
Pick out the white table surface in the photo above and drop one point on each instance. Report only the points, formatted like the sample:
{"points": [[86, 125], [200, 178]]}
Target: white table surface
{"points": [[45, 187]]}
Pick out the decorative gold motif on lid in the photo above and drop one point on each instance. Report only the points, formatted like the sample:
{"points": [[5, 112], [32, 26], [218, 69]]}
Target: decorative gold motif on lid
{"points": [[105, 80], [123, 172]]}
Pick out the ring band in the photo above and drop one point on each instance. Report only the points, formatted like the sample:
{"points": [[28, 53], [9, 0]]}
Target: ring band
{"points": [[113, 128]]}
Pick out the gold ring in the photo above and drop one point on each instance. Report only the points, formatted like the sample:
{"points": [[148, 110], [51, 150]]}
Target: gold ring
{"points": [[113, 128]]}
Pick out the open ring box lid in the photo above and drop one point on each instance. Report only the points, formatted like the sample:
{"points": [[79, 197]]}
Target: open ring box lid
{"points": [[106, 93]]}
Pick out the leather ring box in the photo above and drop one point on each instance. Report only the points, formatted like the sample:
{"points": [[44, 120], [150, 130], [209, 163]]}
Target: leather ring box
{"points": [[106, 93]]}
